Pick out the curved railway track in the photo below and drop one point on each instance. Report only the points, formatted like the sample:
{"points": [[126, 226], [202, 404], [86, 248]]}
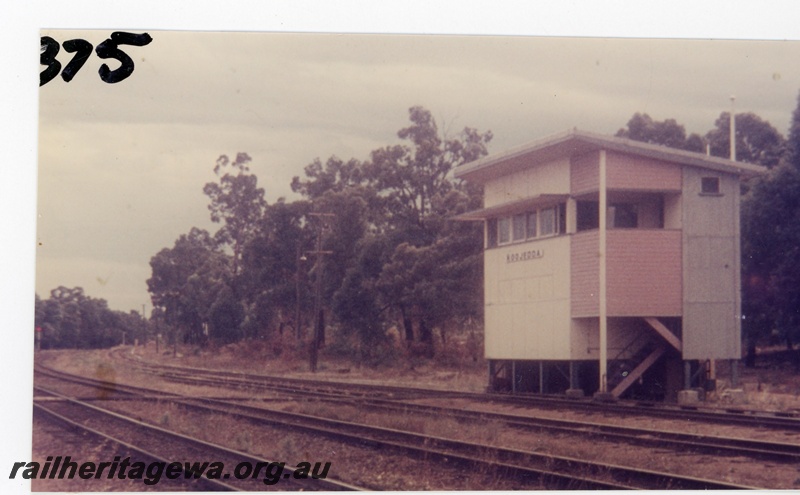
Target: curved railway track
{"points": [[556, 471]]}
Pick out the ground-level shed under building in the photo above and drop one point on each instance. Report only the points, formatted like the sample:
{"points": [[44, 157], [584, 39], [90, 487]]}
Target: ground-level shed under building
{"points": [[641, 300]]}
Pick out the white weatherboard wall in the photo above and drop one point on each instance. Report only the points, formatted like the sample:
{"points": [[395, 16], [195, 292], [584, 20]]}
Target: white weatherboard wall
{"points": [[711, 313], [548, 178], [528, 302]]}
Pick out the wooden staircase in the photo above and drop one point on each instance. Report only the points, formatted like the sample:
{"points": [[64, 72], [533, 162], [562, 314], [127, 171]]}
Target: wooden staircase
{"points": [[648, 355]]}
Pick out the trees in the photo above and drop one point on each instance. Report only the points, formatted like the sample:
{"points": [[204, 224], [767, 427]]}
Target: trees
{"points": [[357, 304], [272, 278], [641, 127], [264, 264], [186, 280], [237, 202], [771, 246], [71, 319], [757, 141], [412, 176], [392, 213]]}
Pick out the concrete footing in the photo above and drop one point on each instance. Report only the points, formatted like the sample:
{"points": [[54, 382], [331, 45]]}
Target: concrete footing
{"points": [[688, 397], [605, 397], [575, 393], [733, 396]]}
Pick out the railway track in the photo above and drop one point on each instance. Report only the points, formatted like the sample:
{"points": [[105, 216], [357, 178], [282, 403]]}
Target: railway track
{"points": [[162, 445], [786, 421], [555, 471], [698, 443]]}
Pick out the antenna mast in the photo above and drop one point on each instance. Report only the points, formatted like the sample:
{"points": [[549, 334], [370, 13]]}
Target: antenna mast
{"points": [[733, 128]]}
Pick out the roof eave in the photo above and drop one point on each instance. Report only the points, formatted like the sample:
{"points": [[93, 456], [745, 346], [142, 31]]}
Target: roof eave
{"points": [[482, 170]]}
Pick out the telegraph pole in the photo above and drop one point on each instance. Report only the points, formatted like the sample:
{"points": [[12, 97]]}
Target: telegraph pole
{"points": [[298, 259], [318, 335]]}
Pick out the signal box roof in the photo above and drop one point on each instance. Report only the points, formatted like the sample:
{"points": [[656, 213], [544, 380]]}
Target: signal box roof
{"points": [[575, 142]]}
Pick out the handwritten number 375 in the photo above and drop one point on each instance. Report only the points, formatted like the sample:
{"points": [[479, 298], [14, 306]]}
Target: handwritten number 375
{"points": [[82, 49]]}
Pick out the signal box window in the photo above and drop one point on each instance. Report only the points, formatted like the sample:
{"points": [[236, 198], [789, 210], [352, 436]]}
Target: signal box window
{"points": [[504, 230], [531, 225], [526, 226], [491, 233], [623, 216], [709, 185], [519, 227], [588, 215], [547, 221]]}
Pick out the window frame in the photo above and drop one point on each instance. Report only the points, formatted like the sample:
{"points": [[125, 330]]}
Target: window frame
{"points": [[505, 228], [501, 223], [519, 222], [710, 191], [535, 216], [546, 220]]}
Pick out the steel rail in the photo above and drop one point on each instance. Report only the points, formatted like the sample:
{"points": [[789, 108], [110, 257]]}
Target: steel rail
{"points": [[730, 416], [97, 384], [324, 484], [554, 479], [551, 466], [701, 443], [74, 425], [555, 469]]}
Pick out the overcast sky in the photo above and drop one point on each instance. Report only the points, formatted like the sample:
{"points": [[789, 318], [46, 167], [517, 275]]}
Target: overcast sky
{"points": [[122, 166]]}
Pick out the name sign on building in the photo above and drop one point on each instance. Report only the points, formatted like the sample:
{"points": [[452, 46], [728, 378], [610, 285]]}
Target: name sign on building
{"points": [[530, 254]]}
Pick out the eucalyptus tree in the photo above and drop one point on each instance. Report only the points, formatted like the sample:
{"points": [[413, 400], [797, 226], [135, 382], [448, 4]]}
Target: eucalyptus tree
{"points": [[186, 280], [642, 127], [274, 266], [757, 141], [771, 247], [399, 203], [237, 202], [71, 319]]}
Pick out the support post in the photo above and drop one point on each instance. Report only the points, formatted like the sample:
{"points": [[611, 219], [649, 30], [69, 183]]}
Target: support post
{"points": [[573, 375], [491, 376], [574, 391], [687, 375], [688, 396], [513, 377], [734, 373], [541, 377], [603, 207]]}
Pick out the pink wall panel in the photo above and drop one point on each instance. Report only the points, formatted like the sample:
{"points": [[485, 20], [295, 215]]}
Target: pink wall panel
{"points": [[584, 173], [644, 273], [630, 172]]}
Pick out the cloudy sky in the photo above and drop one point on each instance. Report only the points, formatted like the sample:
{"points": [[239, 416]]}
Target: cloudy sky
{"points": [[122, 166]]}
